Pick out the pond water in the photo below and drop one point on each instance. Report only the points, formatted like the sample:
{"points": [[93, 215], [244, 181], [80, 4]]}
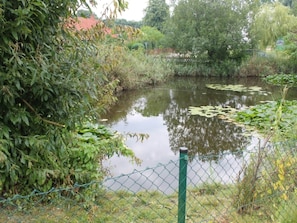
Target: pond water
{"points": [[162, 112]]}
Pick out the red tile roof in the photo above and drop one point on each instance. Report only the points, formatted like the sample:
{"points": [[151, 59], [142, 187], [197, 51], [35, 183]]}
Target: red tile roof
{"points": [[85, 23], [82, 23]]}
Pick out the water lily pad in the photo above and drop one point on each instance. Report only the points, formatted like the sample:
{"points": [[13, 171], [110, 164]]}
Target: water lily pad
{"points": [[236, 88], [211, 111]]}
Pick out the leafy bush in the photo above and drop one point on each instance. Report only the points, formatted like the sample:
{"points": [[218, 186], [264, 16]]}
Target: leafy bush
{"points": [[133, 68], [268, 175], [92, 143], [50, 83], [257, 66]]}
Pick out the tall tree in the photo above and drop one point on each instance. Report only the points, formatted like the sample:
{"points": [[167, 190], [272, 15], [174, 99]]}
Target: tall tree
{"points": [[156, 13], [272, 21], [212, 31], [151, 37]]}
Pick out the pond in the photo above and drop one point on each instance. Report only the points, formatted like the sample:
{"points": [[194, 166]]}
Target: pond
{"points": [[162, 112]]}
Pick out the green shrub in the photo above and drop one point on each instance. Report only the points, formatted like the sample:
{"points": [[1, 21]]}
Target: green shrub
{"points": [[288, 80], [287, 212], [267, 180], [133, 68], [256, 66], [50, 83]]}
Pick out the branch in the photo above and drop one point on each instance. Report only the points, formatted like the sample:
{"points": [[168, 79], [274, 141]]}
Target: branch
{"points": [[43, 119]]}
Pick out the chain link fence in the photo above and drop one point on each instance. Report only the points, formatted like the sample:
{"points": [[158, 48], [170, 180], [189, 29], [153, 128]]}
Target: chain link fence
{"points": [[248, 186]]}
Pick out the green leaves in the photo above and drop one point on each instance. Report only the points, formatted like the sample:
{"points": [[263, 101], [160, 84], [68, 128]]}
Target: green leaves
{"points": [[211, 111], [156, 13], [46, 79], [91, 144], [288, 80], [210, 30], [272, 22], [237, 88], [4, 131], [264, 117]]}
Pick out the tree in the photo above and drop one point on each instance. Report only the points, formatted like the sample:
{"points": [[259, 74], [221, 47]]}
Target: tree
{"points": [[156, 13], [287, 2], [151, 36], [272, 21], [212, 31], [84, 13], [48, 86], [124, 22]]}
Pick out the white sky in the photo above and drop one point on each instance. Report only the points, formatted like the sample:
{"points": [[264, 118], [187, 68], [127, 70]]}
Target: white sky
{"points": [[133, 13], [135, 10]]}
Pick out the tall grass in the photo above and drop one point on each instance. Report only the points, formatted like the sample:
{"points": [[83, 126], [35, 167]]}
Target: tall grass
{"points": [[133, 68], [263, 65], [268, 182]]}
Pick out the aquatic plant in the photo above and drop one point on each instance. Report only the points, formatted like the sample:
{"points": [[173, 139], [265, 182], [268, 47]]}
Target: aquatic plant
{"points": [[237, 88]]}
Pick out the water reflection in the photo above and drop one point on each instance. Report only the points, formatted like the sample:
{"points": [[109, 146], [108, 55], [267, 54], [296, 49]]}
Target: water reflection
{"points": [[203, 136], [162, 112]]}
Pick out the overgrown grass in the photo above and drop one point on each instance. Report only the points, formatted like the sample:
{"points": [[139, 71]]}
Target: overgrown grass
{"points": [[133, 68], [271, 173], [206, 203], [263, 65]]}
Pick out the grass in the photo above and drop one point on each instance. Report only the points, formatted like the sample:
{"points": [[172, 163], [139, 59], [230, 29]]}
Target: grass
{"points": [[207, 203]]}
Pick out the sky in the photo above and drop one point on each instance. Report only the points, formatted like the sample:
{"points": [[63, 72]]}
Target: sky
{"points": [[133, 13], [135, 10]]}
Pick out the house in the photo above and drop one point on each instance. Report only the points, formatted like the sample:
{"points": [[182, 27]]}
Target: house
{"points": [[85, 23]]}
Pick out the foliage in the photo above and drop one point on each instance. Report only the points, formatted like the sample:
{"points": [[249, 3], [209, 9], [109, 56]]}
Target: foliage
{"points": [[147, 206], [236, 88], [289, 3], [124, 22], [272, 21], [211, 31], [148, 38], [133, 69], [92, 143], [290, 51], [156, 13], [193, 67], [288, 80], [259, 65], [267, 174], [287, 211], [84, 13], [48, 86], [211, 111], [270, 171], [247, 184], [151, 36], [152, 70], [266, 116]]}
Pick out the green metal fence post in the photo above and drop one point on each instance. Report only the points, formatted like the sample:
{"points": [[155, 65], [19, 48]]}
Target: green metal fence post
{"points": [[182, 184]]}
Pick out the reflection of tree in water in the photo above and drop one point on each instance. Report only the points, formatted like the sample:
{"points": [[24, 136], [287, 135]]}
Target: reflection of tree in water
{"points": [[201, 135], [149, 102], [154, 103]]}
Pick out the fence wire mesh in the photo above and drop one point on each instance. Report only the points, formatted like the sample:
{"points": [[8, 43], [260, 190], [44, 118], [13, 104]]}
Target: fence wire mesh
{"points": [[247, 186]]}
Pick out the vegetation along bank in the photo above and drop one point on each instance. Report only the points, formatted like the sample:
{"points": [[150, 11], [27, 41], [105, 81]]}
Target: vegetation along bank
{"points": [[57, 79]]}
